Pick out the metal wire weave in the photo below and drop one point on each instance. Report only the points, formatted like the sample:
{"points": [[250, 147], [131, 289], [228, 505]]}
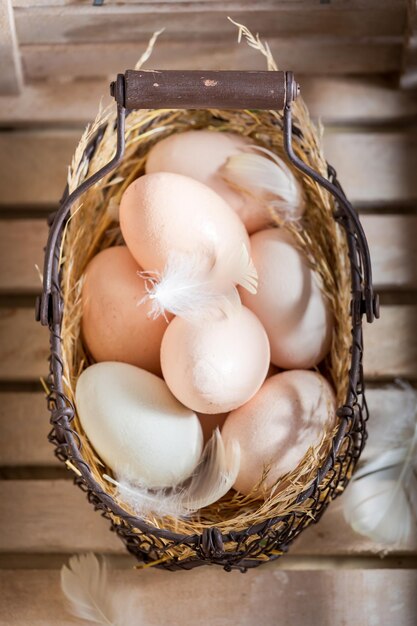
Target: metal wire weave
{"points": [[262, 542]]}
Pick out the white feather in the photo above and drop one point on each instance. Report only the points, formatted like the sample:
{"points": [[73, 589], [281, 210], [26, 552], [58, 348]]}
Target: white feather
{"points": [[192, 286], [261, 170], [393, 417], [238, 268], [213, 477], [91, 597], [84, 583], [381, 501]]}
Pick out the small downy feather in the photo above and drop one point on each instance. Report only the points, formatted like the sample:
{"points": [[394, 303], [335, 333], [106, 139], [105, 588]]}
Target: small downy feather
{"points": [[91, 596], [84, 582], [213, 477], [257, 169], [239, 269], [192, 286], [381, 501]]}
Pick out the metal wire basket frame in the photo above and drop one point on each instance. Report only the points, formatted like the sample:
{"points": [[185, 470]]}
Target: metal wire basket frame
{"points": [[269, 539]]}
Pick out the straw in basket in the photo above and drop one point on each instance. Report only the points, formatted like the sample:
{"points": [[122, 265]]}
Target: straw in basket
{"points": [[237, 532]]}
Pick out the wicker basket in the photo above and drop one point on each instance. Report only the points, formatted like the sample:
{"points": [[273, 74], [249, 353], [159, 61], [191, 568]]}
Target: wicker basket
{"points": [[237, 532]]}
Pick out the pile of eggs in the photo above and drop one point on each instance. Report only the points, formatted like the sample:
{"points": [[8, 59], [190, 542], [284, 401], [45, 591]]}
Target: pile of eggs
{"points": [[161, 384]]}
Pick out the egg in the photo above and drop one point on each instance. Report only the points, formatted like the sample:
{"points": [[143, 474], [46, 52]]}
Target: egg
{"points": [[201, 154], [289, 302], [136, 425], [115, 326], [275, 429], [215, 365], [164, 213]]}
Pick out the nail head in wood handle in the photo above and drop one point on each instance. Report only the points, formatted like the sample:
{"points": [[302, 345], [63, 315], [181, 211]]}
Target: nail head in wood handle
{"points": [[173, 89]]}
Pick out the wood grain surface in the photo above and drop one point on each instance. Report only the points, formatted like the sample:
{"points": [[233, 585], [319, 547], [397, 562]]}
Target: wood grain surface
{"points": [[52, 516], [347, 55], [335, 100], [11, 77], [374, 168], [391, 345], [408, 78], [267, 596], [24, 424], [334, 56], [62, 39], [391, 240], [198, 20]]}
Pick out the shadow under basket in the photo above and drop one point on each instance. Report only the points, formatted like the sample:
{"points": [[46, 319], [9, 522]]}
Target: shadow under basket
{"points": [[236, 532]]}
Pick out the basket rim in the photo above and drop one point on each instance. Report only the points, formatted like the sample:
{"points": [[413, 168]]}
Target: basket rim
{"points": [[68, 440]]}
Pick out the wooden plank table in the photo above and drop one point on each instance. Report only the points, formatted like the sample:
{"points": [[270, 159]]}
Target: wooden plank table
{"points": [[331, 576]]}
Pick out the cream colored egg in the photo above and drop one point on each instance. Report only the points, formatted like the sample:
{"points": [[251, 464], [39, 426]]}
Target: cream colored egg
{"points": [[214, 366], [289, 414], [164, 213], [136, 425], [201, 154], [115, 326], [289, 302]]}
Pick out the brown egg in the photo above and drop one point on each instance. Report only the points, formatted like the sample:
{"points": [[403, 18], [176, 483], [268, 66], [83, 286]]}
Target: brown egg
{"points": [[275, 429], [114, 326]]}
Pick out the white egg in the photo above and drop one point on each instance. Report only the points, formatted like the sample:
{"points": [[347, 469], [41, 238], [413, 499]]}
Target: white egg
{"points": [[136, 425]]}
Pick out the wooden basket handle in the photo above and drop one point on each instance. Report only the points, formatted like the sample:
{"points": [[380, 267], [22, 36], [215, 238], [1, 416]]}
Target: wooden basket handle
{"points": [[175, 89], [172, 89]]}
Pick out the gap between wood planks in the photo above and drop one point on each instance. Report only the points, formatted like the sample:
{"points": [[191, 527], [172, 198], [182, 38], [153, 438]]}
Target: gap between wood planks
{"points": [[290, 562], [27, 299]]}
